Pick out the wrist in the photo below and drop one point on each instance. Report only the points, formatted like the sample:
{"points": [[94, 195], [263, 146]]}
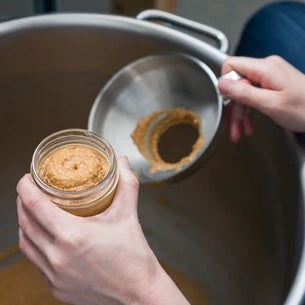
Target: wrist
{"points": [[157, 288]]}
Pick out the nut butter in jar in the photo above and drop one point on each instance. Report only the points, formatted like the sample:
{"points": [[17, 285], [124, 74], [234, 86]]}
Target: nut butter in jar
{"points": [[77, 170]]}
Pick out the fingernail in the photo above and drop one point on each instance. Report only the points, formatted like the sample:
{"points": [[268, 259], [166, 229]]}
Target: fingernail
{"points": [[225, 86], [124, 161]]}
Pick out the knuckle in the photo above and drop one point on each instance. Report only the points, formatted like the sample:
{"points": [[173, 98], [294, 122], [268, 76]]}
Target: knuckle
{"points": [[20, 183], [275, 58], [273, 62], [241, 91], [270, 65], [133, 182], [22, 223], [32, 201], [58, 263], [70, 239]]}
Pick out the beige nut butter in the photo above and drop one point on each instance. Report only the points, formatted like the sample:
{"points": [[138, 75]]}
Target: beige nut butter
{"points": [[75, 167], [172, 117], [77, 170]]}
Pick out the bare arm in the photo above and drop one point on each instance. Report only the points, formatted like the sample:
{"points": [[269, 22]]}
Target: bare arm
{"points": [[97, 260]]}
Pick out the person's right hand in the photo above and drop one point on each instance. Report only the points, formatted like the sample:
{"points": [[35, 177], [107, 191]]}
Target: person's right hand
{"points": [[277, 89]]}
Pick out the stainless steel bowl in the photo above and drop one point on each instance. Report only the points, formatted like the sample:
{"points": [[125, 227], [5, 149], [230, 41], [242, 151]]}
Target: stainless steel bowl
{"points": [[235, 227]]}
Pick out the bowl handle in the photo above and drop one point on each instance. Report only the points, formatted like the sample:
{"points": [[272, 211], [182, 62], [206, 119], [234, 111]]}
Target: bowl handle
{"points": [[218, 36]]}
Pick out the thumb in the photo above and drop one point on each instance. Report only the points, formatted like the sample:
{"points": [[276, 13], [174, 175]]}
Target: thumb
{"points": [[245, 93], [126, 196]]}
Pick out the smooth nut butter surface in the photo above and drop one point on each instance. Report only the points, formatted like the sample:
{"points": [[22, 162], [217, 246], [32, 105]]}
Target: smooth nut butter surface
{"points": [[73, 167]]}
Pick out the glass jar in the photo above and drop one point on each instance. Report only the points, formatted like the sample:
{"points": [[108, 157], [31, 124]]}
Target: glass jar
{"points": [[86, 202]]}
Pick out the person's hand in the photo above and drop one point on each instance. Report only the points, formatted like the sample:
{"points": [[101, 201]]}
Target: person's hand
{"points": [[274, 87], [237, 121], [99, 260]]}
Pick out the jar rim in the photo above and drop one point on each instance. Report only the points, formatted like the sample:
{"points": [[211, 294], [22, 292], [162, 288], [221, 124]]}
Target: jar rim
{"points": [[76, 194]]}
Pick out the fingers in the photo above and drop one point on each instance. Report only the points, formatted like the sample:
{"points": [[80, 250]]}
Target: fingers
{"points": [[243, 92], [36, 233], [247, 126], [128, 188], [246, 94], [238, 121], [254, 69], [235, 131], [239, 127], [48, 215], [251, 68], [33, 254]]}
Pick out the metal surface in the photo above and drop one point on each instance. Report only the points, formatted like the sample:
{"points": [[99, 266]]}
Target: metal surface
{"points": [[154, 83], [187, 24], [161, 82], [236, 226]]}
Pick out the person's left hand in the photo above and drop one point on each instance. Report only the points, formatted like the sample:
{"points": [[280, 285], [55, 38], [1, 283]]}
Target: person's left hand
{"points": [[103, 259]]}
